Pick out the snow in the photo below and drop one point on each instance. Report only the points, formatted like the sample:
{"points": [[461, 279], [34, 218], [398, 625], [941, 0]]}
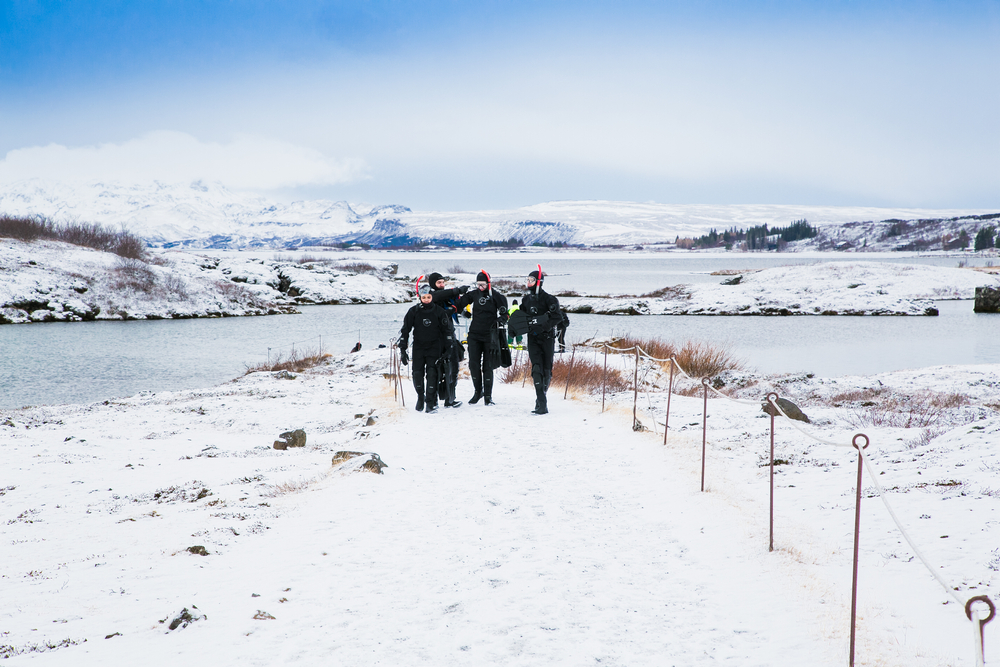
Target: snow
{"points": [[205, 214], [831, 288], [53, 281], [493, 536]]}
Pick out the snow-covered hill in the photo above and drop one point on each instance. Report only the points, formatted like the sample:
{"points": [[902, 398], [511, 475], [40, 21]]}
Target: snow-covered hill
{"points": [[208, 215]]}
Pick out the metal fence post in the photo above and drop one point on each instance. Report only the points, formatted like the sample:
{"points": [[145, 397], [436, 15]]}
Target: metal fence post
{"points": [[635, 384], [670, 389], [604, 378], [857, 535], [704, 431], [772, 397]]}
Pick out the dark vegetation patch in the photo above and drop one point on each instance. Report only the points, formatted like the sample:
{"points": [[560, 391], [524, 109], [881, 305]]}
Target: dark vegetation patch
{"points": [[89, 235]]}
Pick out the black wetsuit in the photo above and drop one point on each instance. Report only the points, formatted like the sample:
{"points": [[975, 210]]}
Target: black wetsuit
{"points": [[448, 299], [433, 334], [542, 310], [487, 307]]}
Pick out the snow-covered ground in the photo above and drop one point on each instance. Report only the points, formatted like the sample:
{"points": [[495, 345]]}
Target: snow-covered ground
{"points": [[45, 281], [833, 288], [495, 536], [205, 214]]}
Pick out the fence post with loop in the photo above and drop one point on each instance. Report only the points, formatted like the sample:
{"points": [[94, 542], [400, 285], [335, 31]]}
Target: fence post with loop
{"points": [[978, 624], [670, 390], [772, 397], [635, 396], [569, 373], [704, 431], [604, 378], [857, 536]]}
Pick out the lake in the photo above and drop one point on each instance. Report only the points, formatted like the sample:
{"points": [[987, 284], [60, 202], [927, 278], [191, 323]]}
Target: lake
{"points": [[82, 362]]}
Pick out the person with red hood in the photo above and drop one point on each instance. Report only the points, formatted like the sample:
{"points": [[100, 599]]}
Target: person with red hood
{"points": [[543, 316], [488, 309]]}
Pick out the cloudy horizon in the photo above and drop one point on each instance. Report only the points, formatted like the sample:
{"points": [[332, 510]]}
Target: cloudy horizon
{"points": [[445, 106]]}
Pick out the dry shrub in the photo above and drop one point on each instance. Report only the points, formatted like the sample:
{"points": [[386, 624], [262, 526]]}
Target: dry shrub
{"points": [[359, 267], [310, 259], [134, 275], [587, 376], [90, 235], [297, 360], [456, 269], [508, 286], [698, 359], [675, 292], [920, 410]]}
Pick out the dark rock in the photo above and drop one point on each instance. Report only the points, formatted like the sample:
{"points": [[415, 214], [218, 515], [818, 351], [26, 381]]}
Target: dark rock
{"points": [[373, 464], [340, 457], [987, 300], [296, 438], [186, 618], [789, 409], [732, 281], [197, 550]]}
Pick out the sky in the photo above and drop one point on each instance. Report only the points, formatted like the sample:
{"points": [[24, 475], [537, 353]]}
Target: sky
{"points": [[450, 105]]}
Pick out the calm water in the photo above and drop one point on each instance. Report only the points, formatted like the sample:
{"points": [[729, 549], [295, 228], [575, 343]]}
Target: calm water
{"points": [[91, 361]]}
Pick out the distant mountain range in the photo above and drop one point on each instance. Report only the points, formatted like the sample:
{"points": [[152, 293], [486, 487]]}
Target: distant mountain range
{"points": [[208, 215]]}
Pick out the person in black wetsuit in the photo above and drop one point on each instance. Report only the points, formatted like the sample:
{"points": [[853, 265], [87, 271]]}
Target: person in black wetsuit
{"points": [[448, 299], [488, 308], [542, 311], [433, 335]]}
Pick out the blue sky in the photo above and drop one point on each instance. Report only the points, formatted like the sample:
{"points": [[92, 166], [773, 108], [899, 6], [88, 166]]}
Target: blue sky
{"points": [[463, 105]]}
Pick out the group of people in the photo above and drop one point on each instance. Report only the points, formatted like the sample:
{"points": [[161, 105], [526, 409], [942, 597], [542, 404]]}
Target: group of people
{"points": [[437, 351]]}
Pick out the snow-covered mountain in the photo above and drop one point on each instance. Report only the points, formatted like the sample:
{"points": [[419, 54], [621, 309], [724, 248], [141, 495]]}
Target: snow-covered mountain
{"points": [[208, 215]]}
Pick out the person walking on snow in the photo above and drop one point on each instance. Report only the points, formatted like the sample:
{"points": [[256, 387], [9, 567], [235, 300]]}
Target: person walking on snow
{"points": [[448, 299], [488, 309], [433, 335], [543, 315]]}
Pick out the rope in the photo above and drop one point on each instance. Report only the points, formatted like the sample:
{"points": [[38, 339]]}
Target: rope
{"points": [[906, 536]]}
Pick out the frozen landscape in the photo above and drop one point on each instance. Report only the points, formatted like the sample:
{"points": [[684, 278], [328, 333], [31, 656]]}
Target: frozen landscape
{"points": [[494, 536], [203, 214], [834, 288], [51, 281]]}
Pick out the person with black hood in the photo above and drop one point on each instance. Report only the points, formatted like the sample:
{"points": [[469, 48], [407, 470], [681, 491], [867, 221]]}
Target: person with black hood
{"points": [[488, 309], [433, 335], [448, 299], [543, 315]]}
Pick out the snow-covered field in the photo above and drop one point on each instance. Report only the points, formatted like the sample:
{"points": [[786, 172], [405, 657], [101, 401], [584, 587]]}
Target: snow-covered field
{"points": [[206, 214], [46, 281], [833, 288], [495, 536]]}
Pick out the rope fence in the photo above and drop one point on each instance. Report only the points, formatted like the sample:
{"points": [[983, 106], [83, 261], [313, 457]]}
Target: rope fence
{"points": [[979, 609]]}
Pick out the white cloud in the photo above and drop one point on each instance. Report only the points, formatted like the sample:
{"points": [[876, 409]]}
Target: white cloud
{"points": [[247, 162]]}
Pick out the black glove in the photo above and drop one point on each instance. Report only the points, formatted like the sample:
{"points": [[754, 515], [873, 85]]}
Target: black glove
{"points": [[461, 352], [466, 314], [462, 289], [404, 358]]}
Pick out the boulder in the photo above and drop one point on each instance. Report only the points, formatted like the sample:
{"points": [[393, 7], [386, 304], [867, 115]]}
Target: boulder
{"points": [[296, 438], [789, 409], [373, 464], [987, 300]]}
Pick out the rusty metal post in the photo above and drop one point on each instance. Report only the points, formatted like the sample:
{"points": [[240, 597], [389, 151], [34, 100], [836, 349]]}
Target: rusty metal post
{"points": [[704, 431], [604, 379], [981, 658], [670, 389], [772, 396], [635, 384], [857, 536], [569, 373]]}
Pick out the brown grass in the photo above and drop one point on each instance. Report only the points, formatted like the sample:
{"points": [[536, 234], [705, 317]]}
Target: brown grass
{"points": [[587, 376], [359, 267], [698, 359], [297, 361], [920, 410]]}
